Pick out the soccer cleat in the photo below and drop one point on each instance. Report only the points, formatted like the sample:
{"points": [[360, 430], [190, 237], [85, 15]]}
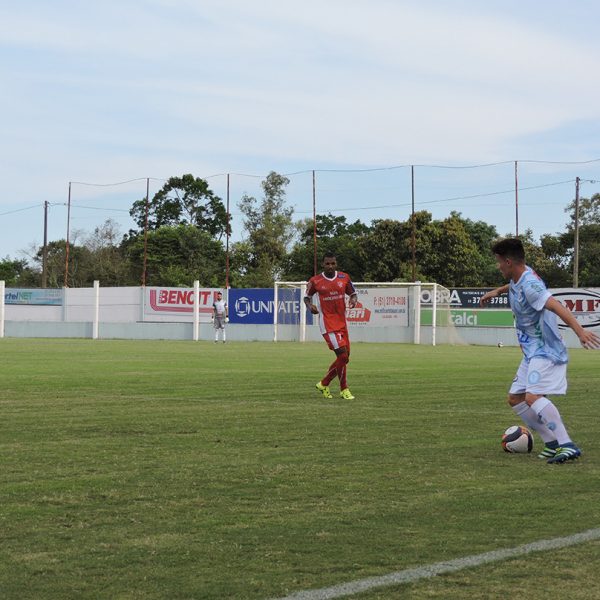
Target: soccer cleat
{"points": [[324, 390], [346, 394], [567, 452], [549, 450]]}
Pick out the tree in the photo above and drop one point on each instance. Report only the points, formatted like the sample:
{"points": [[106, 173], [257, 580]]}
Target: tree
{"points": [[108, 263], [177, 256], [334, 234], [16, 273], [483, 236], [270, 230], [384, 250], [589, 240], [589, 211], [185, 200], [454, 254], [80, 261]]}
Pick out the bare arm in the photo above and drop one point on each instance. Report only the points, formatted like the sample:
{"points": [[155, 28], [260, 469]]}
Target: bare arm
{"points": [[353, 300], [587, 338], [493, 294], [313, 309]]}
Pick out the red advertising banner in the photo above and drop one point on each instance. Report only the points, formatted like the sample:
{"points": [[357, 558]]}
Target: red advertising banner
{"points": [[178, 302]]}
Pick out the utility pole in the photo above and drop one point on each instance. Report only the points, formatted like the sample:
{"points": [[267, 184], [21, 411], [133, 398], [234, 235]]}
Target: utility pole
{"points": [[413, 236], [45, 248], [145, 265], [516, 199], [314, 200], [66, 283], [576, 240]]}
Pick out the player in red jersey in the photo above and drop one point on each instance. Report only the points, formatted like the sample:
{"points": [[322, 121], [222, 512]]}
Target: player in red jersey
{"points": [[332, 287]]}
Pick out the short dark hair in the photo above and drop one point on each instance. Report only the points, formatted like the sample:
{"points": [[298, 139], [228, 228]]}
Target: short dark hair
{"points": [[329, 255], [510, 248]]}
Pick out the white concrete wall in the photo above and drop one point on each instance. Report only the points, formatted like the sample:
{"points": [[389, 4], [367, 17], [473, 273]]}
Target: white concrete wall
{"points": [[121, 316]]}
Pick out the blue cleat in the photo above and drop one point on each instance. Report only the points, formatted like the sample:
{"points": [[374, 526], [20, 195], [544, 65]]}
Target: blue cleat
{"points": [[567, 452]]}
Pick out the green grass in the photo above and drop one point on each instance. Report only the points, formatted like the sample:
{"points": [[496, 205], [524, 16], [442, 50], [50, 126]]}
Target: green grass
{"points": [[158, 469]]}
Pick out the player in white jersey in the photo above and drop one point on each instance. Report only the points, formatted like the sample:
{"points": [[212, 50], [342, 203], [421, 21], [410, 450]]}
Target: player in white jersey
{"points": [[220, 316], [543, 369]]}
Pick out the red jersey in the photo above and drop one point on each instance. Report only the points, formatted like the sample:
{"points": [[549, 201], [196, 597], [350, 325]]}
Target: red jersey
{"points": [[332, 299]]}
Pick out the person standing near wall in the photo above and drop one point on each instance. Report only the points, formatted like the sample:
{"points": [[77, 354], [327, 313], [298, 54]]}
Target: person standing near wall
{"points": [[220, 316]]}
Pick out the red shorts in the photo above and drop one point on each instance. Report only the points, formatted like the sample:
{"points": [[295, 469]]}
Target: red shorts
{"points": [[337, 339]]}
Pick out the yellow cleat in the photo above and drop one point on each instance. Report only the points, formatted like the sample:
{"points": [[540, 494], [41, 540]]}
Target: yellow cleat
{"points": [[324, 390], [346, 394]]}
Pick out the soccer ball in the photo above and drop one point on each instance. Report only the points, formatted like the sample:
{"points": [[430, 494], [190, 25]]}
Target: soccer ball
{"points": [[517, 439]]}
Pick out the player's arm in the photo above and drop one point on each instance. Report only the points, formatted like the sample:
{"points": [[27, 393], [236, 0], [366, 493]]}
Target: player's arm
{"points": [[353, 296], [587, 338], [493, 294], [310, 292], [226, 313]]}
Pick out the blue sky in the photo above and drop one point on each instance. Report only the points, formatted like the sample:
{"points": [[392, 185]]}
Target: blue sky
{"points": [[101, 93]]}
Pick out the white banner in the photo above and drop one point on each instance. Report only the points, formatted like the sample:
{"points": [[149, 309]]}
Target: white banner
{"points": [[583, 303], [380, 307], [177, 304]]}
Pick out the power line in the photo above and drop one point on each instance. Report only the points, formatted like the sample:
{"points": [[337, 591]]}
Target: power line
{"points": [[453, 199], [10, 212], [361, 170], [118, 182]]}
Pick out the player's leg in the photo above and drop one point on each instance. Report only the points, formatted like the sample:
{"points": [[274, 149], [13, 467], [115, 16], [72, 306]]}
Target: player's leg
{"points": [[343, 357], [216, 325], [330, 375], [516, 399], [323, 385], [336, 340], [546, 378]]}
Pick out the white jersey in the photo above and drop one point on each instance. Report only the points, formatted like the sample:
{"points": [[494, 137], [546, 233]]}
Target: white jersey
{"points": [[537, 327], [220, 308]]}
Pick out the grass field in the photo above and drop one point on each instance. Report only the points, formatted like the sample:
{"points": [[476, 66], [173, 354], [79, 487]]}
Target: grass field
{"points": [[155, 469]]}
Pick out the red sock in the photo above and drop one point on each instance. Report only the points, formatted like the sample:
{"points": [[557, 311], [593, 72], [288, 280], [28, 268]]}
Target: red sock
{"points": [[331, 373], [340, 365]]}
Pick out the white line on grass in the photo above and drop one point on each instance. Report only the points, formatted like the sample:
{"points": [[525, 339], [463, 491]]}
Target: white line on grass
{"points": [[409, 575]]}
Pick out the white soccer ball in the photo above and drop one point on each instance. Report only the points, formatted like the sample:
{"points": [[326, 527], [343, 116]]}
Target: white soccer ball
{"points": [[500, 344], [517, 440]]}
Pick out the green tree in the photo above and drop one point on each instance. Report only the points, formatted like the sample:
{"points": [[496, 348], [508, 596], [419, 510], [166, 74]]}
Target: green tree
{"points": [[589, 240], [80, 259], [589, 211], [483, 236], [270, 230], [107, 262], [334, 234], [455, 255], [185, 200], [17, 273], [384, 250], [177, 256]]}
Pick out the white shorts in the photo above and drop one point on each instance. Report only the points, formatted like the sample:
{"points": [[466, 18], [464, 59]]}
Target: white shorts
{"points": [[540, 376]]}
